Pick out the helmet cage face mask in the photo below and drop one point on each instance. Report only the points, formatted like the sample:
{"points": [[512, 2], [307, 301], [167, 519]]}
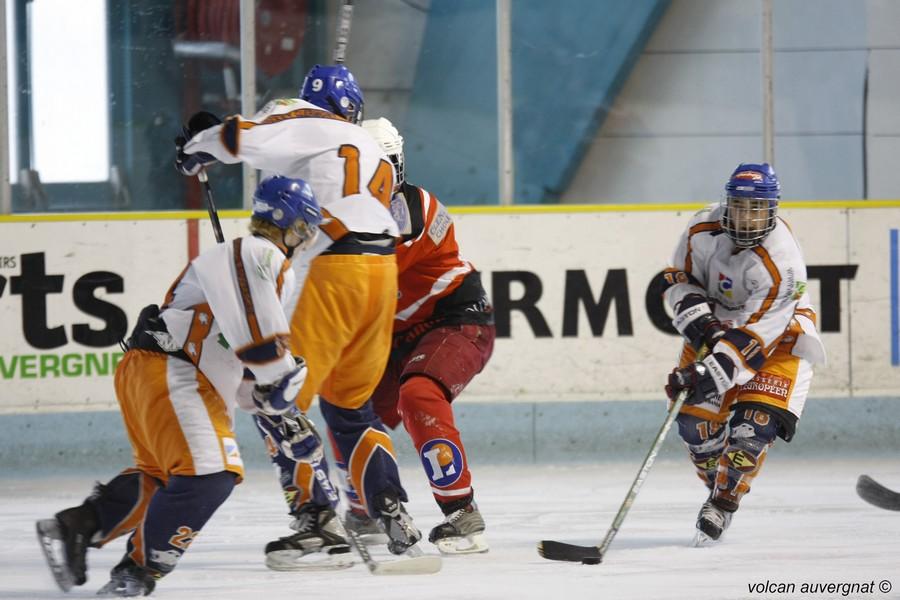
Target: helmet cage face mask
{"points": [[750, 204], [747, 221], [397, 161], [300, 235]]}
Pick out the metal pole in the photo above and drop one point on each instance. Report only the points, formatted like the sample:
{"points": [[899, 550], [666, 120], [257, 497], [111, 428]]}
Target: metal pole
{"points": [[767, 94], [504, 105], [5, 192], [248, 84]]}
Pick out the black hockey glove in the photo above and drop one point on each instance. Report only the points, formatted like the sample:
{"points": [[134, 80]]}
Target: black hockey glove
{"points": [[697, 380], [191, 164], [695, 321], [703, 380]]}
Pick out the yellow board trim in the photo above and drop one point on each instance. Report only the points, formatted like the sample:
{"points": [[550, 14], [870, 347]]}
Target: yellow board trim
{"points": [[523, 209]]}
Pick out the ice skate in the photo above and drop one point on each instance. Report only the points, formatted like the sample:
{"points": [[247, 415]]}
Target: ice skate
{"points": [[127, 579], [366, 528], [712, 522], [398, 525], [64, 540], [462, 532], [320, 543]]}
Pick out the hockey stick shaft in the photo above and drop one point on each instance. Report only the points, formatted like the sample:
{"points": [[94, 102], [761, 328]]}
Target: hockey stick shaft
{"points": [[345, 19], [645, 466], [211, 206]]}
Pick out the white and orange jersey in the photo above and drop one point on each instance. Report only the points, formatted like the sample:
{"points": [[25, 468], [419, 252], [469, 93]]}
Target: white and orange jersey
{"points": [[226, 312], [350, 175], [759, 293], [434, 280]]}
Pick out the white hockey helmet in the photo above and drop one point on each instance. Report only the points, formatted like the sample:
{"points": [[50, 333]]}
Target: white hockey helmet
{"points": [[390, 141]]}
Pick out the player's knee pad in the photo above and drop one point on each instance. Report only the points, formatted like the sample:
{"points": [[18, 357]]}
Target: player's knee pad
{"points": [[752, 430], [702, 437], [705, 441], [177, 514]]}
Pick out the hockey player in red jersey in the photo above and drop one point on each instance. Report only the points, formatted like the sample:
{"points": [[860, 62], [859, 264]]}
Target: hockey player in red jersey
{"points": [[737, 287], [343, 316], [177, 387], [443, 336]]}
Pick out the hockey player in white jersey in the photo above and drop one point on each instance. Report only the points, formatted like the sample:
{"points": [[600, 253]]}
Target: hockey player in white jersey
{"points": [[220, 338], [737, 287], [344, 317]]}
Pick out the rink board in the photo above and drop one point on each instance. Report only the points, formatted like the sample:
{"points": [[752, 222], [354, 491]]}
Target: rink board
{"points": [[571, 289]]}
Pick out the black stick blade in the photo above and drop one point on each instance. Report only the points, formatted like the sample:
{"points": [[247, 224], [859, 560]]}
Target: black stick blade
{"points": [[588, 555], [876, 494]]}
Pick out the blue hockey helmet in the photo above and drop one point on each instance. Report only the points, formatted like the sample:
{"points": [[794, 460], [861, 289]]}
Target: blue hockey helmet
{"points": [[333, 88], [750, 204], [288, 204]]}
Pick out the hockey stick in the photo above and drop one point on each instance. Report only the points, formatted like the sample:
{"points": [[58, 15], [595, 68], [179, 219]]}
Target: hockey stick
{"points": [[417, 562], [200, 121], [345, 16], [876, 494], [593, 555], [211, 206]]}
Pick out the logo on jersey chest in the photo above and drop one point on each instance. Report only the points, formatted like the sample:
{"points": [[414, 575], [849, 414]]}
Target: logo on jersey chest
{"points": [[725, 286], [443, 461]]}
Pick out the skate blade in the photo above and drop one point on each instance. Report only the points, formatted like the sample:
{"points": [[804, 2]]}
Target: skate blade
{"points": [[701, 540], [121, 589], [48, 532], [475, 543], [296, 560]]}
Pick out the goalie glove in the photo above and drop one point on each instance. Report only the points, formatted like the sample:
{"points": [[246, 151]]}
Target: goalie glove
{"points": [[293, 434], [695, 321], [191, 164], [704, 381], [278, 397]]}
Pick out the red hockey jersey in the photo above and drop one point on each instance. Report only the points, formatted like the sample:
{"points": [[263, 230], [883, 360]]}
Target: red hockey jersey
{"points": [[437, 286]]}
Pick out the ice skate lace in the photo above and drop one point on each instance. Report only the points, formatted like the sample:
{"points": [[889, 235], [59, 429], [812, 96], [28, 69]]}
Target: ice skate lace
{"points": [[713, 514], [305, 522]]}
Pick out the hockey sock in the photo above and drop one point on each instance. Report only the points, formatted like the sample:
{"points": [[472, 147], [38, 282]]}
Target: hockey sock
{"points": [[121, 503], [752, 433], [346, 485], [175, 517], [302, 481], [428, 417], [368, 450]]}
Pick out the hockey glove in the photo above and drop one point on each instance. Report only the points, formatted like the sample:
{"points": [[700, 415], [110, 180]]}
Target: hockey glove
{"points": [[191, 164], [704, 381], [695, 321], [292, 434], [278, 397]]}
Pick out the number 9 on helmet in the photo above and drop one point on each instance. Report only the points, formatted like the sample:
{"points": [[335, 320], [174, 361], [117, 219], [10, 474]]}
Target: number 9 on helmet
{"points": [[333, 88], [289, 206]]}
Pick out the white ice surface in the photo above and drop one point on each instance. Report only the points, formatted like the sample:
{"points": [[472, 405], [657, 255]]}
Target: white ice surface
{"points": [[803, 523]]}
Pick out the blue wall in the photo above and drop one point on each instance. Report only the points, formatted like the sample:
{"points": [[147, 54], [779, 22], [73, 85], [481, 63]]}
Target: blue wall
{"points": [[568, 65]]}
